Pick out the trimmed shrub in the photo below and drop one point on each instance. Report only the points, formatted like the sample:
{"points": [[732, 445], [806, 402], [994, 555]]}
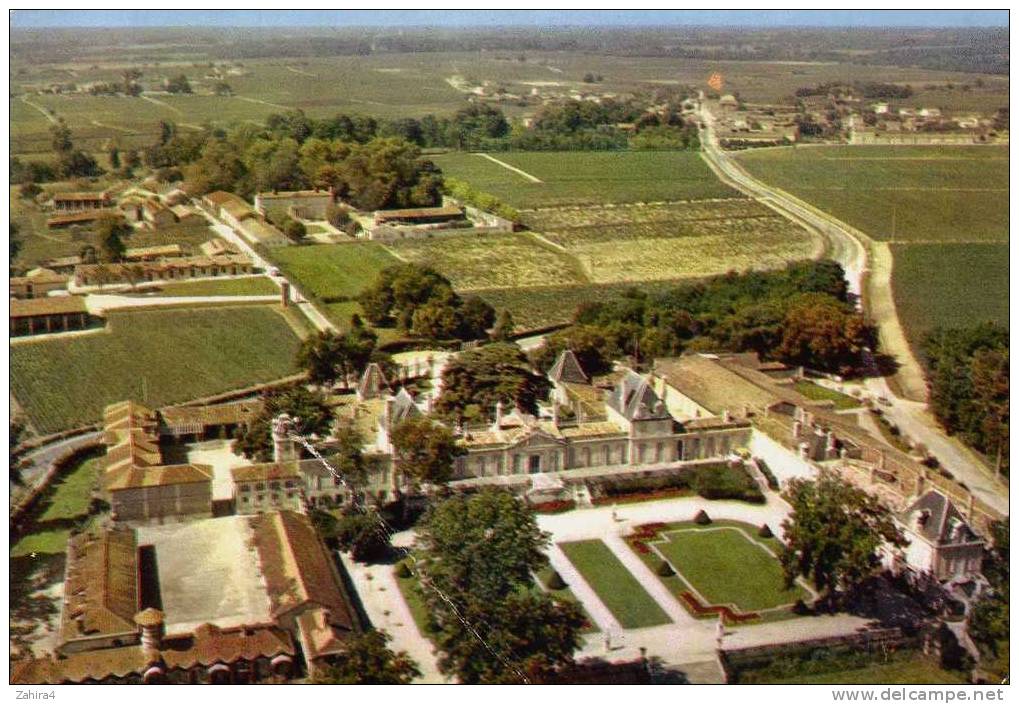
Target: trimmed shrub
{"points": [[800, 608], [765, 532], [555, 581], [702, 518], [665, 569], [403, 570]]}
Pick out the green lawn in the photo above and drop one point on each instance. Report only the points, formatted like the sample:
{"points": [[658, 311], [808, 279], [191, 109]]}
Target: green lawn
{"points": [[333, 271], [51, 541], [726, 566], [582, 178], [619, 590], [817, 392], [72, 492], [156, 357], [950, 285], [912, 670], [944, 194], [247, 286], [410, 590]]}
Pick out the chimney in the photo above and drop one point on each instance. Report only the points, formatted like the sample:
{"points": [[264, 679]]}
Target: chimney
{"points": [[726, 416], [150, 622], [555, 414], [498, 414], [284, 449], [797, 428]]}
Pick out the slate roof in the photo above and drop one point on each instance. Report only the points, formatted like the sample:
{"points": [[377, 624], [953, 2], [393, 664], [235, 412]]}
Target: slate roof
{"points": [[567, 369], [943, 524], [634, 399], [404, 407]]}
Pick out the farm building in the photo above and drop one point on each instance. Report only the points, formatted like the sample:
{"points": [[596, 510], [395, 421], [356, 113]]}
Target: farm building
{"points": [[72, 202], [257, 231], [37, 283], [36, 316], [187, 215], [156, 214], [62, 265], [146, 254], [217, 199], [150, 605], [307, 205], [172, 269], [236, 212], [196, 423], [218, 247], [83, 218], [418, 216]]}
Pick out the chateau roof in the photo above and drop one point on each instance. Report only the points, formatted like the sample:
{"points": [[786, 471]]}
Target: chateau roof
{"points": [[634, 399], [942, 522], [567, 368], [135, 477], [266, 471], [710, 384]]}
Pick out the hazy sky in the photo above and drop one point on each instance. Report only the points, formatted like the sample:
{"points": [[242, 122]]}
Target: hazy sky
{"points": [[546, 18]]}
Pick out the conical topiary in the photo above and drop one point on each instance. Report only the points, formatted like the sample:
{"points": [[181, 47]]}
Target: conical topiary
{"points": [[665, 569], [765, 532], [555, 581], [702, 518]]}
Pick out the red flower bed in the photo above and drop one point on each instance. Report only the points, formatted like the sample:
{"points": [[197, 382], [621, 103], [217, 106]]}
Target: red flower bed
{"points": [[554, 506], [641, 547], [638, 496], [728, 614]]}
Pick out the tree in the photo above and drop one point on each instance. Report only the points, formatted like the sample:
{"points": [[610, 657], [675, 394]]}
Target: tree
{"points": [[361, 532], [110, 231], [18, 429], [989, 623], [76, 163], [314, 418], [478, 557], [61, 137], [833, 534], [476, 317], [328, 357], [294, 230], [15, 242], [368, 660], [399, 290], [504, 326], [178, 84], [437, 320], [114, 155], [989, 371], [822, 332], [222, 88], [424, 452], [475, 380]]}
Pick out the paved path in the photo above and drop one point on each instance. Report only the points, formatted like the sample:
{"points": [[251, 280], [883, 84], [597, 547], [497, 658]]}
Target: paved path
{"points": [[99, 303], [380, 595], [38, 463], [652, 585], [529, 177], [793, 630], [598, 612]]}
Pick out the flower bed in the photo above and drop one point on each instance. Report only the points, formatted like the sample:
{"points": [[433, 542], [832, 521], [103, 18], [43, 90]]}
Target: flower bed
{"points": [[558, 506], [639, 496], [699, 610]]}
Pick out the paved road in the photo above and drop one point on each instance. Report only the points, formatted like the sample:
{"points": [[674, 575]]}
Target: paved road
{"points": [[848, 249], [39, 461], [321, 323]]}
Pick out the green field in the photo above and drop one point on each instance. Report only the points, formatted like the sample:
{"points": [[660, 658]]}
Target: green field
{"points": [[897, 668], [246, 286], [156, 357], [333, 272], [940, 194], [582, 178], [615, 586], [725, 565], [66, 500], [950, 285]]}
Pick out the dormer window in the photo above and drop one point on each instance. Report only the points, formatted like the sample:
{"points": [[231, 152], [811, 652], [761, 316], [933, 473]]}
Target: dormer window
{"points": [[922, 518]]}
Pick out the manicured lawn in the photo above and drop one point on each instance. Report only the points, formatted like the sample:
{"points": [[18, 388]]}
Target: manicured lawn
{"points": [[914, 670], [72, 493], [582, 178], [50, 541], [333, 271], [726, 566], [939, 193], [949, 285], [156, 357], [619, 590], [248, 286], [817, 392]]}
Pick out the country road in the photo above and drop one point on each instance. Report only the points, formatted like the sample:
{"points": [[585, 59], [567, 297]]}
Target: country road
{"points": [[849, 248]]}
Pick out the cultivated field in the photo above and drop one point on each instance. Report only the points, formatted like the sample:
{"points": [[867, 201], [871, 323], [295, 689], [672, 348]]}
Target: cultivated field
{"points": [[472, 262], [333, 272], [156, 357], [245, 286], [941, 194], [943, 209], [411, 84], [950, 285], [582, 178]]}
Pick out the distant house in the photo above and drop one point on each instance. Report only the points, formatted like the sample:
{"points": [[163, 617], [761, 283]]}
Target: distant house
{"points": [[257, 231], [941, 543], [156, 214], [417, 216], [310, 205], [217, 247], [76, 201], [145, 254], [37, 283], [235, 212], [880, 108], [728, 102], [930, 112]]}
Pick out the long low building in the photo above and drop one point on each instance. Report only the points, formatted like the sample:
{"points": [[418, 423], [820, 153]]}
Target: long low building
{"points": [[37, 283], [36, 316], [170, 269]]}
